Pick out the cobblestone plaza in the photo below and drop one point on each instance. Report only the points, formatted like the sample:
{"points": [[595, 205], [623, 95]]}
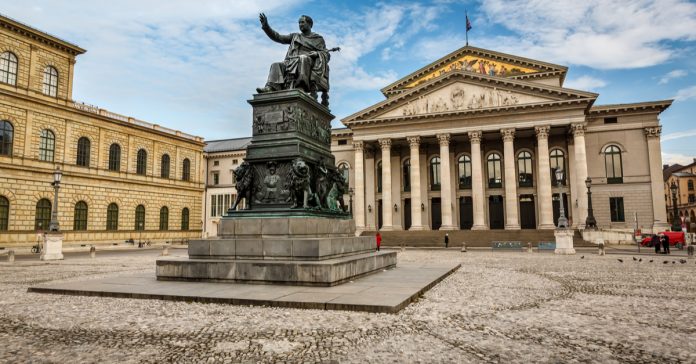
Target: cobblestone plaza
{"points": [[498, 307]]}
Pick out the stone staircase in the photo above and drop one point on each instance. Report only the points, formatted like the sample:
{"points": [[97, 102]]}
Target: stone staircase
{"points": [[473, 238]]}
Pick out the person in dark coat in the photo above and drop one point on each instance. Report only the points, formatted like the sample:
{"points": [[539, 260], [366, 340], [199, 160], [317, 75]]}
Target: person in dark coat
{"points": [[446, 240], [655, 241], [665, 244], [378, 237]]}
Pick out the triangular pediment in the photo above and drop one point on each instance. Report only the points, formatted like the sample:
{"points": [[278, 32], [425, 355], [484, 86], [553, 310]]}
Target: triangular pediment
{"points": [[461, 91], [477, 61]]}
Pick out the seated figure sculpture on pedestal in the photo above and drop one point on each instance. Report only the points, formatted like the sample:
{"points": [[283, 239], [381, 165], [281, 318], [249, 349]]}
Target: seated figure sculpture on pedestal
{"points": [[306, 64]]}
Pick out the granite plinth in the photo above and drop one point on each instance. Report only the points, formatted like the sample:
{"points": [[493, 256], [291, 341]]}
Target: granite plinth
{"points": [[328, 272]]}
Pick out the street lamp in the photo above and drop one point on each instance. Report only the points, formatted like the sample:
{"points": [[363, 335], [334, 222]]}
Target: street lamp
{"points": [[676, 222], [54, 225], [350, 197], [590, 222], [562, 221]]}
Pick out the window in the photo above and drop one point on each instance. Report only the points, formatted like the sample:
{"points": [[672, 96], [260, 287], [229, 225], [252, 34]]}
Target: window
{"points": [[524, 169], [612, 162], [43, 214], [140, 217], [557, 161], [344, 169], [83, 145], [47, 144], [216, 178], [4, 213], [435, 173], [185, 219], [464, 171], [407, 175], [691, 185], [692, 198], [50, 81], [495, 176], [6, 137], [80, 220], [112, 217], [343, 142], [164, 173], [213, 205], [616, 209], [8, 68], [115, 157], [379, 176], [219, 204], [186, 171], [164, 218], [216, 163], [234, 161], [612, 120], [141, 165]]}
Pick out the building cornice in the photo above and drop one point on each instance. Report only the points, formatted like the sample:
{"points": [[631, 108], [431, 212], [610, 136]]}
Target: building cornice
{"points": [[39, 36], [615, 109]]}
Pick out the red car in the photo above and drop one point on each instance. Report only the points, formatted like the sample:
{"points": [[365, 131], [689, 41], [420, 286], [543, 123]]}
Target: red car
{"points": [[676, 239]]}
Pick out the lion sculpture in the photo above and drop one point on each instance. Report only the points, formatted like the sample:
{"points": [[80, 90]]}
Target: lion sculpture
{"points": [[245, 177], [298, 183]]}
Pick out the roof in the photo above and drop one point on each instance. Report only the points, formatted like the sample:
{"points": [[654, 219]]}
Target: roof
{"points": [[666, 172], [43, 37], [226, 145], [658, 106]]}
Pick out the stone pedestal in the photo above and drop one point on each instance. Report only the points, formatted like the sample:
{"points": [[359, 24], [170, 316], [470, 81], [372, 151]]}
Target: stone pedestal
{"points": [[52, 246], [564, 241]]}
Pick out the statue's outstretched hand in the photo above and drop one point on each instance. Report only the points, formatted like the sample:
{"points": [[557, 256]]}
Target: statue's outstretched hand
{"points": [[263, 20]]}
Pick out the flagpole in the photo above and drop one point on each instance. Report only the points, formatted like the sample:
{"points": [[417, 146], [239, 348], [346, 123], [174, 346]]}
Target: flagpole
{"points": [[466, 26]]}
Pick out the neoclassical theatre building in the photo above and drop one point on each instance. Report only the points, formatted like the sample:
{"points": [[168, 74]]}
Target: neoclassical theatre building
{"points": [[123, 178], [472, 141]]}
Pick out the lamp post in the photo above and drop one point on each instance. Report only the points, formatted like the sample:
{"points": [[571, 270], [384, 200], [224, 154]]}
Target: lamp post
{"points": [[590, 222], [676, 222], [562, 221], [54, 225], [350, 197]]}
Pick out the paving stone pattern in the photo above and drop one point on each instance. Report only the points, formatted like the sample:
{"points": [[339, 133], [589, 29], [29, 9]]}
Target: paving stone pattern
{"points": [[498, 307]]}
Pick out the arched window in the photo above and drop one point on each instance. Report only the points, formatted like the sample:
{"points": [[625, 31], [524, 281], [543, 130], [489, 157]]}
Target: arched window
{"points": [[4, 213], [115, 157], [379, 176], [80, 221], [557, 160], [164, 218], [47, 145], [344, 169], [50, 81], [8, 68], [186, 170], [406, 175], [140, 217], [435, 173], [495, 174], [185, 219], [464, 171], [83, 146], [43, 214], [612, 162], [141, 163], [112, 217], [524, 169], [6, 137], [165, 166]]}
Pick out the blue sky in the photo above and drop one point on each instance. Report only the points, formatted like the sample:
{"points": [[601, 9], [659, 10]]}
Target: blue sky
{"points": [[191, 65]]}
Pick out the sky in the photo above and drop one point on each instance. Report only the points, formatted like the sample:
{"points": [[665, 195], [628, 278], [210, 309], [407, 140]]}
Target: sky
{"points": [[191, 65]]}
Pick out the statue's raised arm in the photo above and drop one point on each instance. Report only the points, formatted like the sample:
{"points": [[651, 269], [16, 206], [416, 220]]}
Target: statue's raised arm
{"points": [[306, 64]]}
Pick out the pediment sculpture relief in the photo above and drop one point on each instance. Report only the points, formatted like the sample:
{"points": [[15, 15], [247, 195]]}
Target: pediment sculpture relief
{"points": [[460, 99]]}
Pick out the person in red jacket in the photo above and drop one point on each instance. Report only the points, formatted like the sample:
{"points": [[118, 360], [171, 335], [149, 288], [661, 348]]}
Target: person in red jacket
{"points": [[378, 237]]}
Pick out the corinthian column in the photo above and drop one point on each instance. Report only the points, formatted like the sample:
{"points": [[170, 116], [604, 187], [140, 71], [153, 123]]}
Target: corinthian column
{"points": [[578, 131], [387, 221], [511, 215], [416, 218], [656, 186], [477, 196], [544, 179], [445, 183], [359, 170]]}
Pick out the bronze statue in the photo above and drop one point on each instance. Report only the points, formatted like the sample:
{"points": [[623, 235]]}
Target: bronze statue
{"points": [[306, 64], [244, 177]]}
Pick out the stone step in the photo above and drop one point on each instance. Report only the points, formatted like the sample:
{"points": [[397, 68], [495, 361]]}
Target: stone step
{"points": [[473, 238]]}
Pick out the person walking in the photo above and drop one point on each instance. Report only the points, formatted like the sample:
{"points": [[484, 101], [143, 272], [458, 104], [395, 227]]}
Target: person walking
{"points": [[665, 244], [655, 241], [446, 240], [378, 237]]}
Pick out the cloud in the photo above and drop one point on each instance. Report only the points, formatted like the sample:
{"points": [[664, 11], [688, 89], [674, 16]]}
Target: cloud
{"points": [[595, 33], [585, 83], [679, 135], [686, 94], [676, 158], [672, 75]]}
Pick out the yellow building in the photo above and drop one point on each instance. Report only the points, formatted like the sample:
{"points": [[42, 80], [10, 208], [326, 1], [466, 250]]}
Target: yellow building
{"points": [[123, 178], [684, 178]]}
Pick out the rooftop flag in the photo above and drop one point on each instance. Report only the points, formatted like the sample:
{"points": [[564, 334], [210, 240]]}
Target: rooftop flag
{"points": [[468, 27]]}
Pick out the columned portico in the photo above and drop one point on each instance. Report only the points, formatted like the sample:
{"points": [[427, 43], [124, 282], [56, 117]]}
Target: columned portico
{"points": [[580, 174], [477, 195], [416, 200], [359, 170], [511, 214], [387, 221], [544, 179], [446, 183]]}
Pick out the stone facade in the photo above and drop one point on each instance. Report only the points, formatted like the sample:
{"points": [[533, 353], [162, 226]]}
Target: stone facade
{"points": [[684, 177], [26, 177]]}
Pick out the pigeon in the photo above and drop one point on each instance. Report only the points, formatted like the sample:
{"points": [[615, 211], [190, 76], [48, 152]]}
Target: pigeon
{"points": [[620, 260], [650, 261], [582, 257], [640, 260], [665, 262], [682, 261], [674, 262], [634, 259]]}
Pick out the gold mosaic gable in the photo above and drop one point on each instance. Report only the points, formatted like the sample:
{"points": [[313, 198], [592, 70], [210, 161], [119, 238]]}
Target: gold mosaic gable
{"points": [[476, 64]]}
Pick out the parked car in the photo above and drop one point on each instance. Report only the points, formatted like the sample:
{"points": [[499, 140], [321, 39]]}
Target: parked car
{"points": [[676, 239]]}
